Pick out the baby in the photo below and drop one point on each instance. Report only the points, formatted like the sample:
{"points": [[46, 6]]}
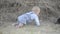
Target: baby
{"points": [[29, 17]]}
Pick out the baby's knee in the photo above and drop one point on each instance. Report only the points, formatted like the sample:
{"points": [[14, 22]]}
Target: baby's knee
{"points": [[19, 25]]}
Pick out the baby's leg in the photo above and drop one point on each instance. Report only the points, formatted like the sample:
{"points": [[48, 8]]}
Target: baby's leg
{"points": [[21, 22], [19, 25]]}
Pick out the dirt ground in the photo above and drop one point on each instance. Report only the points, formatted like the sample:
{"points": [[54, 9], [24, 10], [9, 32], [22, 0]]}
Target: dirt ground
{"points": [[50, 10], [46, 27]]}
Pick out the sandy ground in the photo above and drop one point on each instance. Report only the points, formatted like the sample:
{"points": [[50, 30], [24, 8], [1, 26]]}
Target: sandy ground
{"points": [[46, 27]]}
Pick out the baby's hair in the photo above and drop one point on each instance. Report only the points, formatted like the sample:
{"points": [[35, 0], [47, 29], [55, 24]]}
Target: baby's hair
{"points": [[35, 7]]}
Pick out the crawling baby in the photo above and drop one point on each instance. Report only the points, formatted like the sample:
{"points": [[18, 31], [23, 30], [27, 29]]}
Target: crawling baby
{"points": [[29, 16]]}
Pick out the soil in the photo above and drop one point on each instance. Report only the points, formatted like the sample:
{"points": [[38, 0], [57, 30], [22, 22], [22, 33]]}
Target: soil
{"points": [[11, 9]]}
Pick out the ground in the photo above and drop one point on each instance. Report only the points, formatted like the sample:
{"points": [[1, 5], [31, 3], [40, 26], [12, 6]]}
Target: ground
{"points": [[11, 9], [46, 27]]}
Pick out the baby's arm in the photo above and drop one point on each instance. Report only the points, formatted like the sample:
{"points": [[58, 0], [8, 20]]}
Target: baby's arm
{"points": [[37, 21]]}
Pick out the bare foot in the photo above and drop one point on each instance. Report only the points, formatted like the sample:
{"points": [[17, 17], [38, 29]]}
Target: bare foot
{"points": [[19, 26]]}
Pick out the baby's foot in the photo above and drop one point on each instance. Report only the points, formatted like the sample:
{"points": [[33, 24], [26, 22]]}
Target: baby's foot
{"points": [[14, 24], [19, 26]]}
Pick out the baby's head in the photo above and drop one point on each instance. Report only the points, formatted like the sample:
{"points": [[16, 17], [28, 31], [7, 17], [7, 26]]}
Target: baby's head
{"points": [[36, 10]]}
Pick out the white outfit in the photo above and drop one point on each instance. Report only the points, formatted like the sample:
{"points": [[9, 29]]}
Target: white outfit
{"points": [[30, 16]]}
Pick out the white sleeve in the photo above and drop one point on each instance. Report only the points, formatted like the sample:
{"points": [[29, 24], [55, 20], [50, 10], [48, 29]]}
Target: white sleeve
{"points": [[37, 21]]}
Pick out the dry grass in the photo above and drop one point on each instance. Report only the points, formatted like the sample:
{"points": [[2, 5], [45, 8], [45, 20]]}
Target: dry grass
{"points": [[45, 28]]}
